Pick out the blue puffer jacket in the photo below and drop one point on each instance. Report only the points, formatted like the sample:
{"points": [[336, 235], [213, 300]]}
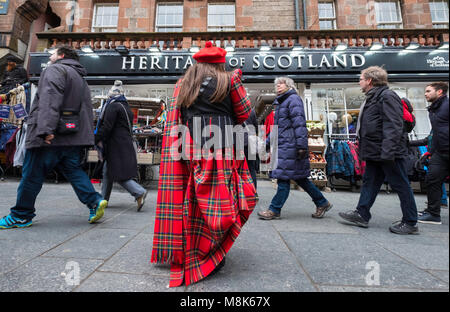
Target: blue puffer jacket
{"points": [[292, 136]]}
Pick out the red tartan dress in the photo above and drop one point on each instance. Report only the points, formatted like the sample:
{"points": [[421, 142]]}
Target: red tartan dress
{"points": [[202, 203]]}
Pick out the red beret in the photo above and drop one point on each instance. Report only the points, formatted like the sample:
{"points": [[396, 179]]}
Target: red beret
{"points": [[210, 54]]}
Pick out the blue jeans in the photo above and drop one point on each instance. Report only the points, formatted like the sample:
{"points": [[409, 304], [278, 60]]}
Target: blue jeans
{"points": [[397, 177], [37, 164], [284, 188]]}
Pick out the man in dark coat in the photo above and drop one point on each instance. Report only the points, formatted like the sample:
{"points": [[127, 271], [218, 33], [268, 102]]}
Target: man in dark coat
{"points": [[61, 88], [114, 134], [14, 75], [383, 146], [436, 94], [291, 151]]}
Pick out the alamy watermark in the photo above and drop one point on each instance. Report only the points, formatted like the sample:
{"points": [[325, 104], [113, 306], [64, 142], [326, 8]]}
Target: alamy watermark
{"points": [[72, 273], [227, 142], [373, 276]]}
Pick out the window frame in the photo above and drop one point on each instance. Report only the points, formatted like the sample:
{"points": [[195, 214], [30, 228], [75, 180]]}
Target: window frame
{"points": [[179, 27], [102, 28], [442, 23], [381, 24], [221, 27], [332, 19]]}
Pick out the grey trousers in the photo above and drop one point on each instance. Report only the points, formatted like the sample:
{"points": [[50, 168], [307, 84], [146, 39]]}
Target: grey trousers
{"points": [[135, 189]]}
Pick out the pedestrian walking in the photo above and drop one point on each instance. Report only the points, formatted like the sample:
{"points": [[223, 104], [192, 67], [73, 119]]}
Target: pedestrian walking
{"points": [[203, 202], [383, 145], [114, 135], [438, 169], [60, 126], [13, 76], [291, 152], [427, 142]]}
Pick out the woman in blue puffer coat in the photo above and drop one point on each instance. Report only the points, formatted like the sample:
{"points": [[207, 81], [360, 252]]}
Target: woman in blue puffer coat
{"points": [[290, 151]]}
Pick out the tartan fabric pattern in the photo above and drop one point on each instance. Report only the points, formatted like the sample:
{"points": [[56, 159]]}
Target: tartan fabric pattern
{"points": [[201, 204]]}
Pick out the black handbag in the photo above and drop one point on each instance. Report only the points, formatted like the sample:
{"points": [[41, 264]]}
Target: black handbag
{"points": [[69, 122]]}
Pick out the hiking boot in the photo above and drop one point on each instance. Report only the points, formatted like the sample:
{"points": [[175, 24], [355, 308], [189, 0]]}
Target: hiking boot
{"points": [[10, 222], [96, 213], [141, 200], [403, 228], [355, 218], [320, 211], [428, 218], [268, 215]]}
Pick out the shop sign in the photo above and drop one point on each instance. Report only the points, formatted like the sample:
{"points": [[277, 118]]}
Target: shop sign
{"points": [[352, 61], [4, 7]]}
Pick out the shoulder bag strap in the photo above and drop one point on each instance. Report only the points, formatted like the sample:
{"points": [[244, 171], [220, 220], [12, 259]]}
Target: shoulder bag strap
{"points": [[128, 119]]}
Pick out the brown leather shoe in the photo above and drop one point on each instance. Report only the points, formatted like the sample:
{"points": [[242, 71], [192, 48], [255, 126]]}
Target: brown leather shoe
{"points": [[268, 215], [320, 211]]}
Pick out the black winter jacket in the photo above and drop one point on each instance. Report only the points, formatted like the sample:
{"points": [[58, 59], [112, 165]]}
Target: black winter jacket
{"points": [[114, 132], [61, 85], [381, 134], [12, 78], [439, 112]]}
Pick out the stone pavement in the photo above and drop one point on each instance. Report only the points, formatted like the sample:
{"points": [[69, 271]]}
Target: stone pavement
{"points": [[63, 252]]}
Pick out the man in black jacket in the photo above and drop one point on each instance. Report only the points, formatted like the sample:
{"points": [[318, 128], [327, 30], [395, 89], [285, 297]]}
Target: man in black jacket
{"points": [[61, 88], [14, 75], [383, 146], [438, 170]]}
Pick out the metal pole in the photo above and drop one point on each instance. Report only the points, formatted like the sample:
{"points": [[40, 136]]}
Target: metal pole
{"points": [[305, 24], [297, 15]]}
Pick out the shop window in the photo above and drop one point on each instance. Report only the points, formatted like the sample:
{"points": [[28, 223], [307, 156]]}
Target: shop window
{"points": [[221, 17], [169, 17], [327, 15], [105, 17], [439, 13], [388, 14], [340, 108]]}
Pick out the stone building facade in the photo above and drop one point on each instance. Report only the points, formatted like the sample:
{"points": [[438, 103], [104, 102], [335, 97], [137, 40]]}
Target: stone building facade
{"points": [[24, 18]]}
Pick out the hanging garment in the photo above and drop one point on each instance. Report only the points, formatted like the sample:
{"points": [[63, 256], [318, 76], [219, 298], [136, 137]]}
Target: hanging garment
{"points": [[359, 165], [19, 155]]}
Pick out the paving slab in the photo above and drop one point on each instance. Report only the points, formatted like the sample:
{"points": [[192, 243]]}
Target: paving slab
{"points": [[48, 275], [94, 244], [120, 282], [350, 260], [257, 271]]}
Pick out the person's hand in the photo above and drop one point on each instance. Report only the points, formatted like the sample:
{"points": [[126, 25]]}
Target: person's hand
{"points": [[302, 153], [49, 138]]}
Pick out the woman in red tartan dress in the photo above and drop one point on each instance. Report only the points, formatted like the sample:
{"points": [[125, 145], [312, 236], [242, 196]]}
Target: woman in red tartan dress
{"points": [[204, 199]]}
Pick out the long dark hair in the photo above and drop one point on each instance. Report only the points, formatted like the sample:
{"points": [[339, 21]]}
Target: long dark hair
{"points": [[194, 77]]}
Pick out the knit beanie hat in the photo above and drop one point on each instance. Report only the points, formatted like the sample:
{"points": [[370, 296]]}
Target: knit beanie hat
{"points": [[210, 54], [116, 90]]}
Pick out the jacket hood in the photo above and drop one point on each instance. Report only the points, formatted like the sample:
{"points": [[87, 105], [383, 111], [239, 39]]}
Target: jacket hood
{"points": [[74, 64], [279, 99]]}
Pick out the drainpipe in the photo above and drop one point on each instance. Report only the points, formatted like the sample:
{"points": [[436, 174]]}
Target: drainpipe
{"points": [[297, 16], [305, 24], [72, 15]]}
